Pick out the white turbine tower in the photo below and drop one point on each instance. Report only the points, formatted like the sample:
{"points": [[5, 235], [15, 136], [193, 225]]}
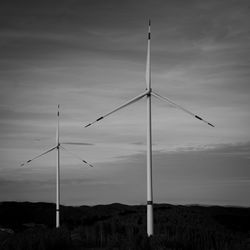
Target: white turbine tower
{"points": [[148, 93], [57, 147]]}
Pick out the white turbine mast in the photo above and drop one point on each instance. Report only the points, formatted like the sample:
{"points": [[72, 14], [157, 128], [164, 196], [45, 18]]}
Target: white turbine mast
{"points": [[57, 147], [148, 93]]}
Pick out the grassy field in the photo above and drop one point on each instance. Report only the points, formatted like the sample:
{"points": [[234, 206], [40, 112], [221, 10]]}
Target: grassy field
{"points": [[31, 226]]}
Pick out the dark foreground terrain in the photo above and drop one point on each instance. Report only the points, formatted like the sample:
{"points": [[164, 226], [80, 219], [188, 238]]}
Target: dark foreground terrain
{"points": [[28, 226]]}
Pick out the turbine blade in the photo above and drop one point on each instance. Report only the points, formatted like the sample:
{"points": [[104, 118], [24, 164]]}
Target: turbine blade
{"points": [[77, 143], [148, 64], [135, 99], [57, 129], [44, 153], [76, 156], [180, 107]]}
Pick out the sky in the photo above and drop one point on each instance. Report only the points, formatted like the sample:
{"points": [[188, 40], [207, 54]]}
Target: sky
{"points": [[89, 57]]}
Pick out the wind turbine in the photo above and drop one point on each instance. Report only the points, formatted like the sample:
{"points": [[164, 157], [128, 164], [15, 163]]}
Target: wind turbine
{"points": [[57, 148], [148, 93]]}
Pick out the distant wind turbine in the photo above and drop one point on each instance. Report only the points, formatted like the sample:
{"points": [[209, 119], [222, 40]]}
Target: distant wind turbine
{"points": [[148, 93], [57, 147]]}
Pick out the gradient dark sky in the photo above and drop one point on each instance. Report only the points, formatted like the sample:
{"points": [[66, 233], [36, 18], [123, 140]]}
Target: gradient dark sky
{"points": [[89, 56]]}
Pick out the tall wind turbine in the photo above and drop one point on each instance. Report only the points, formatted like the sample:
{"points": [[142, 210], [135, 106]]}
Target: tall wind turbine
{"points": [[148, 93], [57, 148]]}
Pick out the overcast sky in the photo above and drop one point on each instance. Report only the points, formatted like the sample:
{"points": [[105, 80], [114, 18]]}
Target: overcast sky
{"points": [[90, 56]]}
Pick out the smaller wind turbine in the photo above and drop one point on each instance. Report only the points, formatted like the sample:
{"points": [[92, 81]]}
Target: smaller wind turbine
{"points": [[57, 147]]}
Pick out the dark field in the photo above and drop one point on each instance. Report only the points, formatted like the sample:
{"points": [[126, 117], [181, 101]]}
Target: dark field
{"points": [[118, 226]]}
